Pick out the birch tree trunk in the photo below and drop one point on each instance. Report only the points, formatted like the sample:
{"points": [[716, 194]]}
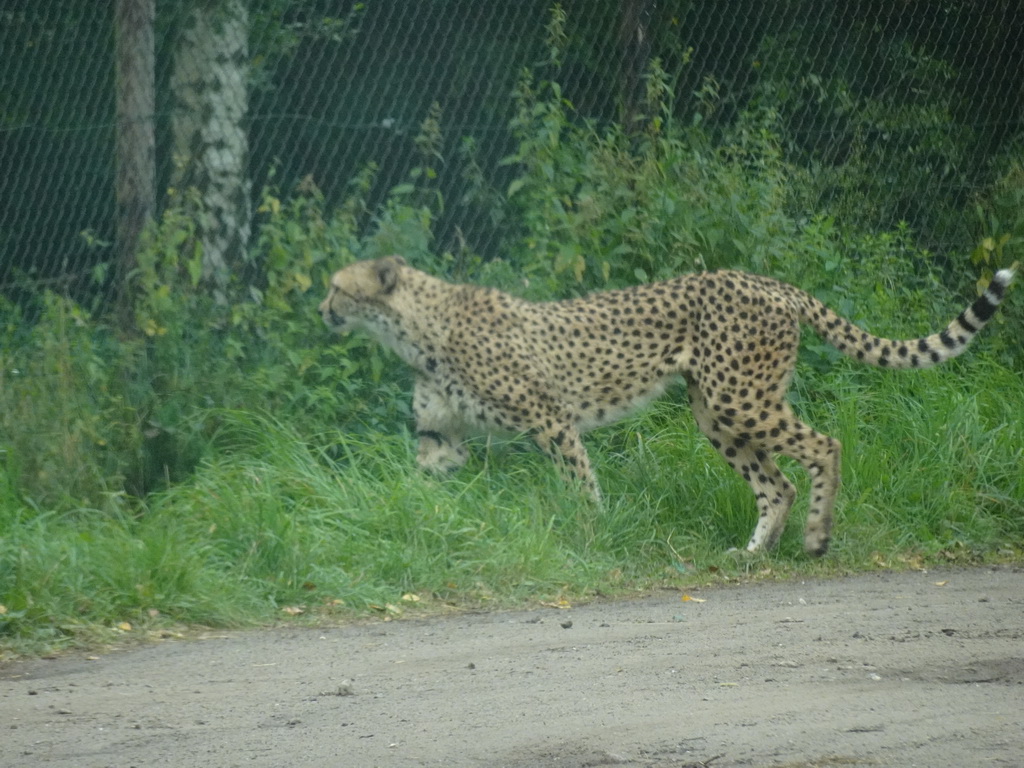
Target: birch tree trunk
{"points": [[210, 141]]}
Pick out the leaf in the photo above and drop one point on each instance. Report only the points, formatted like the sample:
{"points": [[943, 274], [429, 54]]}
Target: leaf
{"points": [[124, 626], [270, 205], [561, 604], [578, 268], [195, 271], [292, 610], [402, 189], [409, 597], [941, 583], [689, 599], [515, 186]]}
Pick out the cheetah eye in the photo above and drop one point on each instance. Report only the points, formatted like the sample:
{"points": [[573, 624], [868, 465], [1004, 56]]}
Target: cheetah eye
{"points": [[336, 291]]}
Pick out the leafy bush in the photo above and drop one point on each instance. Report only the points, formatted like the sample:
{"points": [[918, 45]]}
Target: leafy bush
{"points": [[67, 431], [876, 128]]}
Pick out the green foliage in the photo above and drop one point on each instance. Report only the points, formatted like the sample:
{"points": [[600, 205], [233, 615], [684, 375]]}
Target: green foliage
{"points": [[273, 524], [605, 208], [999, 231], [876, 128], [226, 458], [91, 415], [65, 427]]}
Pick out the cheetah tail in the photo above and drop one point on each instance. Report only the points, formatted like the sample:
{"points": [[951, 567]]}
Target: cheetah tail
{"points": [[911, 353]]}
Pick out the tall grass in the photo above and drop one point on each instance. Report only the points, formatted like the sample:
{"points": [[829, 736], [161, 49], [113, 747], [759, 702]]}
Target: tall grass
{"points": [[226, 464], [334, 524]]}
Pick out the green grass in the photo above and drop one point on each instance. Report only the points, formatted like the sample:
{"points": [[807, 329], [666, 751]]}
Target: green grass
{"points": [[336, 526]]}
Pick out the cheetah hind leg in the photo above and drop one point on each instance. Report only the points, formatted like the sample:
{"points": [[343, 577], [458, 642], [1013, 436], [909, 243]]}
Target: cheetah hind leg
{"points": [[821, 456], [772, 490]]}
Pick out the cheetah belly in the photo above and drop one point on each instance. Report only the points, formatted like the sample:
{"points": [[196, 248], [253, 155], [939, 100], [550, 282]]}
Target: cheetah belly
{"points": [[600, 415], [617, 407], [605, 401]]}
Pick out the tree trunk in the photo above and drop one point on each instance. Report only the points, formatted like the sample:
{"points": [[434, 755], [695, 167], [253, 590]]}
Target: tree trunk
{"points": [[634, 16], [211, 146], [135, 154]]}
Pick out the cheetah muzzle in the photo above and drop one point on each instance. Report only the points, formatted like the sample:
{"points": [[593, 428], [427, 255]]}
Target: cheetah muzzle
{"points": [[488, 361]]}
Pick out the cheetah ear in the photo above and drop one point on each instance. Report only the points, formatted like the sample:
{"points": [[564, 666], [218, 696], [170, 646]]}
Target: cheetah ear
{"points": [[387, 270]]}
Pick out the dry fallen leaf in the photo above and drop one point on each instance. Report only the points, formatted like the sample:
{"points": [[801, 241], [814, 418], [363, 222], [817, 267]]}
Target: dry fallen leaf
{"points": [[292, 610], [941, 583], [124, 626], [688, 599], [409, 597], [560, 603], [914, 562]]}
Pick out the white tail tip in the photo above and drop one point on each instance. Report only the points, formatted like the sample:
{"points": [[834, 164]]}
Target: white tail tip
{"points": [[1005, 276]]}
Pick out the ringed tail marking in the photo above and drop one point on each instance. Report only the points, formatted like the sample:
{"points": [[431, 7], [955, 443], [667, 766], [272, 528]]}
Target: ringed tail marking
{"points": [[923, 352]]}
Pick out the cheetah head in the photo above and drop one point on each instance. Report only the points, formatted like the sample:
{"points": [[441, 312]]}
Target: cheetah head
{"points": [[359, 291]]}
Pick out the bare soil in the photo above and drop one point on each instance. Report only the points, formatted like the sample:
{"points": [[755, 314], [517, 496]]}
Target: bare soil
{"points": [[892, 669]]}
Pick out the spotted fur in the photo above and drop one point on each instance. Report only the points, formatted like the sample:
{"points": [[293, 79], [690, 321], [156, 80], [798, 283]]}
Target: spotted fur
{"points": [[486, 361]]}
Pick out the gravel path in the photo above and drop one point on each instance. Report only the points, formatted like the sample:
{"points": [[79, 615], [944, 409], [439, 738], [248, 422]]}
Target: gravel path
{"points": [[891, 669]]}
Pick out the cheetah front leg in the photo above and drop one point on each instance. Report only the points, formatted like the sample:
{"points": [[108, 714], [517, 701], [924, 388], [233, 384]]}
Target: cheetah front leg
{"points": [[562, 443], [440, 430]]}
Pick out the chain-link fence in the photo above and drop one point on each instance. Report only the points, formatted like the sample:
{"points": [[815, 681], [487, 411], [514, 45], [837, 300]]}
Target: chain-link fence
{"points": [[105, 107]]}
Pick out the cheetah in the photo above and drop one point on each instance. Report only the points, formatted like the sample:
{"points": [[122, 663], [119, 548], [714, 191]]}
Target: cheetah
{"points": [[486, 361]]}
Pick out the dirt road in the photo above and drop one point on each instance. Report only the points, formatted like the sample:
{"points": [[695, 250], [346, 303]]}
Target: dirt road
{"points": [[908, 669]]}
